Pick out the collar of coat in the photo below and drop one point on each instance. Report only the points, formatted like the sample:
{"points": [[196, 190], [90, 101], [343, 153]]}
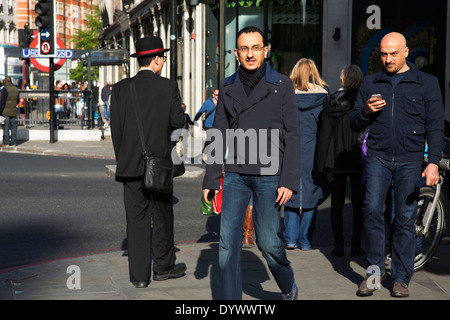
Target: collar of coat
{"points": [[413, 75], [234, 88], [271, 76]]}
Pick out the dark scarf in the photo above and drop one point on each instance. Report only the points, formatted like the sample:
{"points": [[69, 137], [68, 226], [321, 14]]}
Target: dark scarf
{"points": [[251, 79]]}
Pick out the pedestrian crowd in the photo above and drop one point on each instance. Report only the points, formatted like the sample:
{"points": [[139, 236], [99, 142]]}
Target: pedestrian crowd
{"points": [[66, 107], [317, 137], [70, 108]]}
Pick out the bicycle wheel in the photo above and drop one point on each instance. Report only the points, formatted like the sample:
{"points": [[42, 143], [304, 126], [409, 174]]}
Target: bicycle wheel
{"points": [[426, 244]]}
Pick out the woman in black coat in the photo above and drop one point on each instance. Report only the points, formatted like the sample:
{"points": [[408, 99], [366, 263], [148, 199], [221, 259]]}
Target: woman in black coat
{"points": [[340, 156]]}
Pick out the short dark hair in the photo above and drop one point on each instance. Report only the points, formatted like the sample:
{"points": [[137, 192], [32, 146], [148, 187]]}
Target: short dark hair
{"points": [[145, 61], [351, 77], [250, 29]]}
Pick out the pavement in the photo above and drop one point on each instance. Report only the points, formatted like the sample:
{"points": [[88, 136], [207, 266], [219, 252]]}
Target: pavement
{"points": [[104, 276]]}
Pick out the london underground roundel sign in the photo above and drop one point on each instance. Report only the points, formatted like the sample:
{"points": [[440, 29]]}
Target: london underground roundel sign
{"points": [[42, 64]]}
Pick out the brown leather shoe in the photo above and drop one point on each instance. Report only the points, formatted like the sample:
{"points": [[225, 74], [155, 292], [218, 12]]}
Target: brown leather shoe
{"points": [[400, 290], [364, 289], [247, 240]]}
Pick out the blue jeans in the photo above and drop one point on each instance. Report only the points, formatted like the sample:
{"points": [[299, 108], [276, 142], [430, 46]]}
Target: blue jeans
{"points": [[237, 191], [106, 109], [299, 227], [10, 123], [380, 174]]}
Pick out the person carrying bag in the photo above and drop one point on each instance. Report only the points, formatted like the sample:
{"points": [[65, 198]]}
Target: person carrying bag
{"points": [[147, 147], [159, 172]]}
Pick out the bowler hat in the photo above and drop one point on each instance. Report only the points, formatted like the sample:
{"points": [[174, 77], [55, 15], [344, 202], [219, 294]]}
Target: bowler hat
{"points": [[149, 46]]}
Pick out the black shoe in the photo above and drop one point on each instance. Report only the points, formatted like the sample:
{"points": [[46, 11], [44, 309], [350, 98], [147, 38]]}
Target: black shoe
{"points": [[338, 250], [175, 272], [140, 284]]}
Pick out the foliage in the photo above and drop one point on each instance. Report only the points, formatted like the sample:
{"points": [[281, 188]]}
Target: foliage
{"points": [[87, 40]]}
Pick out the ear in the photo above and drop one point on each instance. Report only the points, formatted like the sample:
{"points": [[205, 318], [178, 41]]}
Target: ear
{"points": [[406, 52], [266, 51], [236, 54]]}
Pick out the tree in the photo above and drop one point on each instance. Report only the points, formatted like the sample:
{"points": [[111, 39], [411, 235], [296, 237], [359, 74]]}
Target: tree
{"points": [[87, 40]]}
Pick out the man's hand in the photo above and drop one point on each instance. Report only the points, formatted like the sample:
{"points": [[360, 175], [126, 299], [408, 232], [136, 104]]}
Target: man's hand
{"points": [[431, 173], [284, 194], [374, 105], [206, 192]]}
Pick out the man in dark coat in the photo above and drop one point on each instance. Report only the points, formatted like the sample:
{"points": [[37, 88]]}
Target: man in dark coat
{"points": [[257, 113], [403, 108], [159, 106], [8, 109]]}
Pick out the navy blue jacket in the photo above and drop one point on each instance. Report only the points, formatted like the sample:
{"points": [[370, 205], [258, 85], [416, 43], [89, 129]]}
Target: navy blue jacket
{"points": [[268, 118], [311, 192], [413, 115]]}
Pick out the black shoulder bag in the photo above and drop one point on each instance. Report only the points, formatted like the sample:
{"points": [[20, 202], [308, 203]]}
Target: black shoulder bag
{"points": [[159, 172]]}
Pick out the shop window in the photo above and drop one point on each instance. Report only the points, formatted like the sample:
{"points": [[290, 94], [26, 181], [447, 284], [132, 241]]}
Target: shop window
{"points": [[293, 32], [421, 22]]}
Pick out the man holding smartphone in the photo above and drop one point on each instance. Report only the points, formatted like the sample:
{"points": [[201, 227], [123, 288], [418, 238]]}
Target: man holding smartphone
{"points": [[403, 108]]}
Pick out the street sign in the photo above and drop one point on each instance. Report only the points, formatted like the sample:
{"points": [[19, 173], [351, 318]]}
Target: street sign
{"points": [[45, 35], [109, 57], [45, 47], [64, 53], [44, 64], [28, 53]]}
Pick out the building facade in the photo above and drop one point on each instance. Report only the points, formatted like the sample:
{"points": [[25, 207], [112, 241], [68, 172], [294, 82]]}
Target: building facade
{"points": [[71, 15], [334, 33]]}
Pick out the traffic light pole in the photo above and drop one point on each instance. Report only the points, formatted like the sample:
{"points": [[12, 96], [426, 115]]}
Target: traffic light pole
{"points": [[46, 22], [52, 103]]}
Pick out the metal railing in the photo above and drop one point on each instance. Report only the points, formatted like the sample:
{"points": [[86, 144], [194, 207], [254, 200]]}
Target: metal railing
{"points": [[77, 109]]}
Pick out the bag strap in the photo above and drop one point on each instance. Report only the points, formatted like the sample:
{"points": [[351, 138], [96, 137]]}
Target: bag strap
{"points": [[138, 119]]}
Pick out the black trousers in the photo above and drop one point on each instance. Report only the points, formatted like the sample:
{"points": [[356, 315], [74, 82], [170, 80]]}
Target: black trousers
{"points": [[338, 184], [149, 231]]}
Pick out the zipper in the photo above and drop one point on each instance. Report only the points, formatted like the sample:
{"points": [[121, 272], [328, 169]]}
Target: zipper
{"points": [[236, 127], [392, 125]]}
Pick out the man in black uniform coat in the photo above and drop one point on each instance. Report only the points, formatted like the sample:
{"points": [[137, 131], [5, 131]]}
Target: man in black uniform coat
{"points": [[159, 106]]}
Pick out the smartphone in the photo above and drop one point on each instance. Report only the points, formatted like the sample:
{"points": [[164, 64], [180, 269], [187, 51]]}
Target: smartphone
{"points": [[377, 96]]}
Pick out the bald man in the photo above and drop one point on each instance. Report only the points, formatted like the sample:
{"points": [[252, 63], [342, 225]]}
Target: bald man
{"points": [[403, 109]]}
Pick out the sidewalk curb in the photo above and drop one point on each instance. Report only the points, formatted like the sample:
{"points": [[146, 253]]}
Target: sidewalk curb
{"points": [[62, 135], [50, 152]]}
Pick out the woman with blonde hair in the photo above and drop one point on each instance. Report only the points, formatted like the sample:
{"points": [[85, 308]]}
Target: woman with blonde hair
{"points": [[300, 210]]}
